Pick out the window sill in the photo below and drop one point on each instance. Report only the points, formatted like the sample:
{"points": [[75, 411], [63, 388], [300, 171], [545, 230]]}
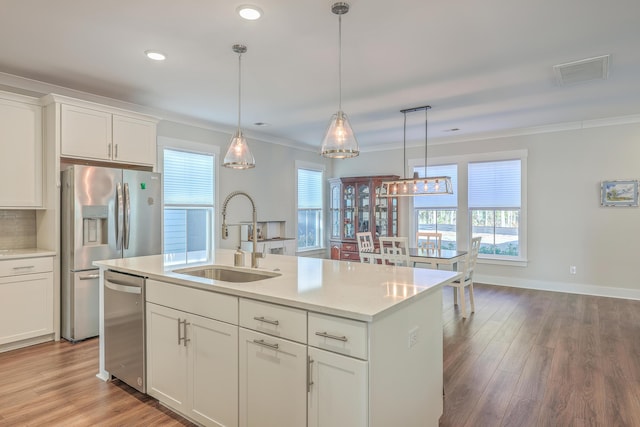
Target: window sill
{"points": [[506, 262]]}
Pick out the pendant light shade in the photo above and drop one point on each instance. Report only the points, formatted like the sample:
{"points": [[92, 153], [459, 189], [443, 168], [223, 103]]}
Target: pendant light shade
{"points": [[417, 186], [339, 141], [238, 155]]}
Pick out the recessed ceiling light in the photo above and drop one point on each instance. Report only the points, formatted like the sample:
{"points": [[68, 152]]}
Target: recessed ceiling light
{"points": [[155, 55], [249, 12]]}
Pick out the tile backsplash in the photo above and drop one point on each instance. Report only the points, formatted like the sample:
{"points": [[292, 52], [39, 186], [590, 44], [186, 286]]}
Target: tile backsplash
{"points": [[17, 229]]}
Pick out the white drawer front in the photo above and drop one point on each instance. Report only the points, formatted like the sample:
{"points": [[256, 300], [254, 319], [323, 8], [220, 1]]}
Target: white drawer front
{"points": [[14, 267], [339, 335], [272, 319], [203, 303]]}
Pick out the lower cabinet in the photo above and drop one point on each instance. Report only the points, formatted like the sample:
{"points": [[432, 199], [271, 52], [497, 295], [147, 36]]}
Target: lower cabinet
{"points": [[273, 381], [338, 394], [26, 302], [192, 365]]}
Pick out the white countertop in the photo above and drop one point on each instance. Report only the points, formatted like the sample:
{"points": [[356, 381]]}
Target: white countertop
{"points": [[24, 253], [349, 289]]}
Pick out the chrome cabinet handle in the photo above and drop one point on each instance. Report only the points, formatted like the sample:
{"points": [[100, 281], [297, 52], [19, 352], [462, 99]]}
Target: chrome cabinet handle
{"points": [[309, 381], [90, 277], [182, 334], [262, 319], [109, 150], [266, 344], [25, 267], [116, 152], [333, 337]]}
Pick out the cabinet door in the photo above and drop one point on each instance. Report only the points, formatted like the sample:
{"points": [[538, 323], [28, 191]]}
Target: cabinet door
{"points": [[85, 133], [26, 307], [334, 210], [364, 207], [213, 364], [20, 154], [349, 211], [134, 140], [338, 394], [166, 357], [273, 381]]}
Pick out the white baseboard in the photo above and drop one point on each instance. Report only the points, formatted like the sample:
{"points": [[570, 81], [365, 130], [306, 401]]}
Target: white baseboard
{"points": [[571, 288]]}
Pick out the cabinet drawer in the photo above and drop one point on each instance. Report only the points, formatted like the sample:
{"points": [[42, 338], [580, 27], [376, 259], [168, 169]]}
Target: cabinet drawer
{"points": [[14, 267], [339, 335], [272, 319], [350, 256], [204, 303], [349, 247]]}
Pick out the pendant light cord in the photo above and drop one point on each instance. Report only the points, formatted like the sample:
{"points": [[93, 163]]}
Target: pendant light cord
{"points": [[339, 62], [425, 140], [239, 88], [404, 145]]}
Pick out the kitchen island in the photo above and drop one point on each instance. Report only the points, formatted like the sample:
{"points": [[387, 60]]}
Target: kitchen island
{"points": [[318, 343]]}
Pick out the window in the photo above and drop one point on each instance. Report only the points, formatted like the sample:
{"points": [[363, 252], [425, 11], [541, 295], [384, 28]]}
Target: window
{"points": [[188, 205], [438, 213], [495, 207], [310, 205]]}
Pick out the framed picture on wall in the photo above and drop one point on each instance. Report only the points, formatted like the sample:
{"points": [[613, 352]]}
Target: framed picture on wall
{"points": [[619, 193]]}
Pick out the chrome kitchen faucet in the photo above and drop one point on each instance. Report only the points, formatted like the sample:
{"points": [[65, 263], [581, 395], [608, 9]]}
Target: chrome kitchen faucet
{"points": [[254, 235]]}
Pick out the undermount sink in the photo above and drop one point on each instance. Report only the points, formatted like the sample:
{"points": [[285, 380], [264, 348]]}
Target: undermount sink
{"points": [[227, 274]]}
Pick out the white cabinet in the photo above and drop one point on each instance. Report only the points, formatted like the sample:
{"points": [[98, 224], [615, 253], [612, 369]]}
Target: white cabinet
{"points": [[26, 301], [91, 131], [273, 381], [192, 360], [338, 391], [338, 394], [20, 152]]}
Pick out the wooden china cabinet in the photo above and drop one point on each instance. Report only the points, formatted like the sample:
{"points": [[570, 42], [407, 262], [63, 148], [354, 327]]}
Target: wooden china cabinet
{"points": [[359, 204]]}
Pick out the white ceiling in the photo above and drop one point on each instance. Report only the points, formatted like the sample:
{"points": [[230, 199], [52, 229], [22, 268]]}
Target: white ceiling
{"points": [[485, 67]]}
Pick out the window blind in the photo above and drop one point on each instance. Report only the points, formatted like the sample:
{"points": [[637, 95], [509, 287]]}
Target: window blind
{"points": [[309, 189], [188, 178], [441, 200], [495, 184]]}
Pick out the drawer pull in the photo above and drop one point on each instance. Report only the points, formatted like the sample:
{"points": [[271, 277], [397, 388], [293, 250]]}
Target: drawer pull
{"points": [[333, 337], [262, 319], [90, 277], [26, 267], [309, 371], [266, 344]]}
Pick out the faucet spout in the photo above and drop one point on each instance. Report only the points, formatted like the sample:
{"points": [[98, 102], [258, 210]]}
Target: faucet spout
{"points": [[255, 255]]}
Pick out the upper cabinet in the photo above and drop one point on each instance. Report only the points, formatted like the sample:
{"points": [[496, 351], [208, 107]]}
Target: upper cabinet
{"points": [[20, 152], [100, 133]]}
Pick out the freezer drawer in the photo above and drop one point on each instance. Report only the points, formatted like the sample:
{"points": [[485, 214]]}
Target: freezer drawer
{"points": [[80, 305]]}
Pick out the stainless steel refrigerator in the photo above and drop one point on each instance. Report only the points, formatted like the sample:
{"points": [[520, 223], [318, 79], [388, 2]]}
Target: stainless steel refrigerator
{"points": [[106, 213]]}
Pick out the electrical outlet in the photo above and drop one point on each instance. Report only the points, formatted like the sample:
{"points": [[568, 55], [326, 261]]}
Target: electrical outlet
{"points": [[572, 269], [413, 337]]}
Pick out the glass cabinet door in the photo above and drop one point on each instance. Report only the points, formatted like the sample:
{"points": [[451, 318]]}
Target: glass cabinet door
{"points": [[382, 212], [349, 211], [364, 209], [335, 211]]}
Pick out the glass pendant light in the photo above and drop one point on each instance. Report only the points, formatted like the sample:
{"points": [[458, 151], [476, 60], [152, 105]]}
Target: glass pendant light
{"points": [[417, 186], [339, 141], [238, 155]]}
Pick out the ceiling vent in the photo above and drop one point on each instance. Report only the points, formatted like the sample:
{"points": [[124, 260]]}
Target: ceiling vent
{"points": [[582, 71]]}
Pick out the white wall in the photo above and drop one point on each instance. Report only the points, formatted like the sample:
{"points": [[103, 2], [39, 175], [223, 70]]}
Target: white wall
{"points": [[271, 184], [566, 224]]}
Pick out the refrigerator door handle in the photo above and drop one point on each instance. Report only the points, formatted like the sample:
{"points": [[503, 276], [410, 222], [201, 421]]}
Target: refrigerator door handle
{"points": [[119, 216], [127, 216]]}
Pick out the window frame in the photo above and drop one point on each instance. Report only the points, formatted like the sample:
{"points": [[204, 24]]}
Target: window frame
{"points": [[464, 214], [316, 167], [196, 148]]}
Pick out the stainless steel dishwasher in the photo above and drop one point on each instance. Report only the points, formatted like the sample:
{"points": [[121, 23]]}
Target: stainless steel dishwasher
{"points": [[124, 324]]}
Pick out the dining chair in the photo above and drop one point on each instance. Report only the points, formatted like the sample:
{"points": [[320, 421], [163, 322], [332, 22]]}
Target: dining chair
{"points": [[430, 240], [395, 251], [366, 247], [467, 278]]}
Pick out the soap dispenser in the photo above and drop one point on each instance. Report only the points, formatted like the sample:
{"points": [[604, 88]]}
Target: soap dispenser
{"points": [[238, 258]]}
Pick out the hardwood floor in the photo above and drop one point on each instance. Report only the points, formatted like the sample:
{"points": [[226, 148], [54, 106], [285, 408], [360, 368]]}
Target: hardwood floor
{"points": [[525, 358]]}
